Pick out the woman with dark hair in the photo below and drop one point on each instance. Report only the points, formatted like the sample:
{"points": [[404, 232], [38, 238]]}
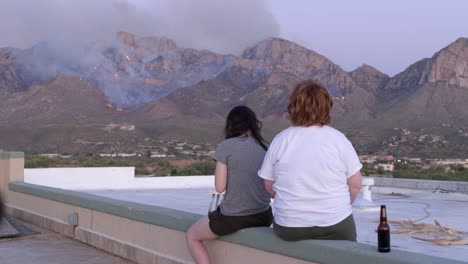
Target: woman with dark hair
{"points": [[246, 203], [312, 170]]}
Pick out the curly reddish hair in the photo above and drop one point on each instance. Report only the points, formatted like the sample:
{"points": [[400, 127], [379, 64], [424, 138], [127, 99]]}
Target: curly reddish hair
{"points": [[310, 104]]}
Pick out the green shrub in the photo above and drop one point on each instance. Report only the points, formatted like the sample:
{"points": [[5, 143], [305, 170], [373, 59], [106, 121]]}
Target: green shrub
{"points": [[198, 168]]}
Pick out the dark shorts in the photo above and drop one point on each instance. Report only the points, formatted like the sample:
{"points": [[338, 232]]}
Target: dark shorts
{"points": [[344, 230], [223, 224]]}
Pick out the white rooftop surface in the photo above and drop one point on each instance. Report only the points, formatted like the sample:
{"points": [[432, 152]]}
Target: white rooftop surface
{"points": [[402, 204], [193, 194]]}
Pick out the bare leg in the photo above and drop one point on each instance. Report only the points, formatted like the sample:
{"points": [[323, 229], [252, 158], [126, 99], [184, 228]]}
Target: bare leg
{"points": [[195, 235]]}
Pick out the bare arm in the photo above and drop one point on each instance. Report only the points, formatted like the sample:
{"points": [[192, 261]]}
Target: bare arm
{"points": [[269, 187], [220, 177], [354, 185]]}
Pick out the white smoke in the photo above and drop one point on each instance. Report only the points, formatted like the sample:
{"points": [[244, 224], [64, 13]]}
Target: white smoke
{"points": [[72, 37], [225, 26]]}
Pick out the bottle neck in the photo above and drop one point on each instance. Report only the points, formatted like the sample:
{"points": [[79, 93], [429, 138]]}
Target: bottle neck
{"points": [[383, 214]]}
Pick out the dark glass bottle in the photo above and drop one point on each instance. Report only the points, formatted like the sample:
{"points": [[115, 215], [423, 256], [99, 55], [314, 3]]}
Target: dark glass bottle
{"points": [[383, 231]]}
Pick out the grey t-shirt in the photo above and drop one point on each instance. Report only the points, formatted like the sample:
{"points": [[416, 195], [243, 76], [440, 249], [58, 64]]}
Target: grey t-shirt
{"points": [[245, 191]]}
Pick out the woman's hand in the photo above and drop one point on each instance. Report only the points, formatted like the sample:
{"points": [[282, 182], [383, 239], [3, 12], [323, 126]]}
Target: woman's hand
{"points": [[269, 187]]}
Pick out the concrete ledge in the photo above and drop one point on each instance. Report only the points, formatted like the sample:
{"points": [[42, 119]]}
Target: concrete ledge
{"points": [[123, 250], [161, 216], [11, 155], [42, 221], [453, 186], [260, 238]]}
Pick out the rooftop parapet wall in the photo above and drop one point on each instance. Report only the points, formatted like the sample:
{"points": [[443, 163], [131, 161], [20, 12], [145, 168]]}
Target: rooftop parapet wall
{"points": [[109, 178], [11, 169], [262, 239], [11, 155], [82, 178], [451, 186]]}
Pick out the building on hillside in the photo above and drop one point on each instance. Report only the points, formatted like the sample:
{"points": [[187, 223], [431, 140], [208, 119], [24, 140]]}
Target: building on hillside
{"points": [[385, 167], [415, 160]]}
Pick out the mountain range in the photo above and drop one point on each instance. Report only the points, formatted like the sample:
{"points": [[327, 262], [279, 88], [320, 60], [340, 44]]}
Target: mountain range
{"points": [[84, 98]]}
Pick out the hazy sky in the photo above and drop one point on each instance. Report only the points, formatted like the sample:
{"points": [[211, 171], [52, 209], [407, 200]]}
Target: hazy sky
{"points": [[389, 35]]}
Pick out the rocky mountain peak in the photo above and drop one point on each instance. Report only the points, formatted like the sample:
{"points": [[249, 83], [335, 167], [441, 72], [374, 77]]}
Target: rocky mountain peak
{"points": [[283, 57], [274, 47], [277, 50], [152, 43], [368, 70], [369, 78], [10, 79], [451, 64], [126, 38]]}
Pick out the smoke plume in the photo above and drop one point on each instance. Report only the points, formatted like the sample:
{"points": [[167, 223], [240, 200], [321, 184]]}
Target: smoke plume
{"points": [[225, 26], [79, 38]]}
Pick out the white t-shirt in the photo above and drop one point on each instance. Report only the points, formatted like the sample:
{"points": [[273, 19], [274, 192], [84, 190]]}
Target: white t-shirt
{"points": [[310, 167]]}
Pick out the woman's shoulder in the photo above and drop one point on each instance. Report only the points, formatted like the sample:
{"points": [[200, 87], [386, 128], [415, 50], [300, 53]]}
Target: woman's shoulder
{"points": [[230, 142], [286, 132], [283, 137], [335, 135], [305, 131], [233, 140], [224, 149], [333, 131], [227, 142]]}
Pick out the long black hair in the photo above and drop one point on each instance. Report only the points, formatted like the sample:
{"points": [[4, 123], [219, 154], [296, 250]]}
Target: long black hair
{"points": [[242, 119]]}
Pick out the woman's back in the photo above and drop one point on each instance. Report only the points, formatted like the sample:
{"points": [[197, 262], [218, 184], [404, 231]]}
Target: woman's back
{"points": [[312, 170], [245, 192], [311, 167]]}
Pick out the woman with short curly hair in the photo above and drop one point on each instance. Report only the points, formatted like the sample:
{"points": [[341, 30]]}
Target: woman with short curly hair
{"points": [[312, 170]]}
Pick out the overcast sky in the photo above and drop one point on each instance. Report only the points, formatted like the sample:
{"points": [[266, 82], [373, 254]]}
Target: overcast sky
{"points": [[389, 35]]}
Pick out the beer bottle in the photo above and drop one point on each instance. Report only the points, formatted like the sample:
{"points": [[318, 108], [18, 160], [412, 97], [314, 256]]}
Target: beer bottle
{"points": [[383, 231]]}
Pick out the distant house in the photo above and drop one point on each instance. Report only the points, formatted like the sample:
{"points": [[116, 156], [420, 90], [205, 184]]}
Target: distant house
{"points": [[158, 155], [126, 154], [107, 155], [374, 158], [415, 160], [368, 158], [385, 167]]}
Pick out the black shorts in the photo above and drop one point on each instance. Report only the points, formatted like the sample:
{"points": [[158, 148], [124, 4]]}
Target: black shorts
{"points": [[344, 230], [223, 224]]}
